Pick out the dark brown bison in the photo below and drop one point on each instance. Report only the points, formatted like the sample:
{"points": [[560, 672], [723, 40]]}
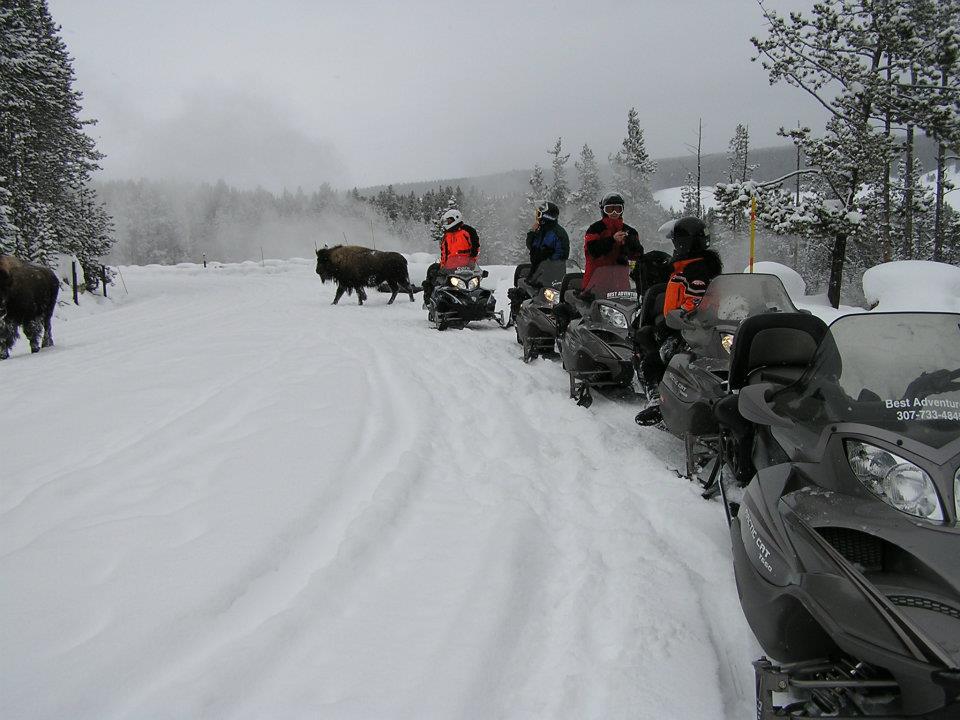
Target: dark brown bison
{"points": [[28, 296], [354, 267]]}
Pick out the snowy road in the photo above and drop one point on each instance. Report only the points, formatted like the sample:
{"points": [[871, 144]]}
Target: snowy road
{"points": [[223, 497]]}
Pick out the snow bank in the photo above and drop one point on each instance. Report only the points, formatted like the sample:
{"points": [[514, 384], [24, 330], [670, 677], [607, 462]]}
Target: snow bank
{"points": [[794, 284], [913, 285]]}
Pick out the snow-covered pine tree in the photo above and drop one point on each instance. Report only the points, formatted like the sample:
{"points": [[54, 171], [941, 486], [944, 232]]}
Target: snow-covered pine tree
{"points": [[47, 157], [739, 169], [583, 202], [538, 186], [633, 167], [838, 55], [913, 204], [690, 197], [559, 190]]}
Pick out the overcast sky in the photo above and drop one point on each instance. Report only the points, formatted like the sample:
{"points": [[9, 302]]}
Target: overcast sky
{"points": [[292, 92]]}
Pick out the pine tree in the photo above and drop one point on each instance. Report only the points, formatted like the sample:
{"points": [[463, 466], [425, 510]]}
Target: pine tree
{"points": [[584, 201], [559, 190], [48, 158], [632, 165], [538, 187], [840, 55], [690, 197], [738, 170]]}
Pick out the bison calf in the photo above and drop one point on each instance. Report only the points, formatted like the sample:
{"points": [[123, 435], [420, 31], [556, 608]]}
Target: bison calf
{"points": [[354, 268], [28, 296]]}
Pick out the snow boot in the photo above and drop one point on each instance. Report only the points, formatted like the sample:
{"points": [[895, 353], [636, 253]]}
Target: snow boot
{"points": [[649, 416]]}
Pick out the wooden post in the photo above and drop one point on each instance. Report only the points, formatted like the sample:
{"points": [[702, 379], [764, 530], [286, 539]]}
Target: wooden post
{"points": [[76, 291], [103, 278], [753, 229]]}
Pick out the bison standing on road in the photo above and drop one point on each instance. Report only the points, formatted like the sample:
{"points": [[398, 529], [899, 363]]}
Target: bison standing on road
{"points": [[354, 267], [28, 296]]}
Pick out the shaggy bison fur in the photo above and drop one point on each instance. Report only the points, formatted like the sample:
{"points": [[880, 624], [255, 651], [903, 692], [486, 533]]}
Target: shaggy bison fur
{"points": [[354, 267], [28, 296]]}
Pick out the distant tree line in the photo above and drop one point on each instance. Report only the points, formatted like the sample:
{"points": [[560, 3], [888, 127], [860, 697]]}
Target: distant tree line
{"points": [[46, 203]]}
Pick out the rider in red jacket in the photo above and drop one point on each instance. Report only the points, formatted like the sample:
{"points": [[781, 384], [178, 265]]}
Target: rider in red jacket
{"points": [[609, 241]]}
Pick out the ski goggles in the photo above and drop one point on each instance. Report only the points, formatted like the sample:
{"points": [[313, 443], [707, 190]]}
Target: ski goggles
{"points": [[543, 209], [613, 209]]}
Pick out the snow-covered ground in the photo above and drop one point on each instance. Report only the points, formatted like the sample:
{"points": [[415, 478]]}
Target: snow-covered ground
{"points": [[223, 497]]}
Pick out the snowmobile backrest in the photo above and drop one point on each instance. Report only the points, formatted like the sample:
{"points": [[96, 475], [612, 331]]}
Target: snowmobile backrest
{"points": [[652, 306], [774, 347]]}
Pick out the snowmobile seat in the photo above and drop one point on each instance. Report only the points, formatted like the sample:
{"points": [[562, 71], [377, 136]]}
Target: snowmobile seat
{"points": [[652, 306], [774, 347], [571, 282]]}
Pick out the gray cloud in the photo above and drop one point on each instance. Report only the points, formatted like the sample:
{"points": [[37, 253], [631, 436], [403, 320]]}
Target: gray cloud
{"points": [[240, 138], [415, 90]]}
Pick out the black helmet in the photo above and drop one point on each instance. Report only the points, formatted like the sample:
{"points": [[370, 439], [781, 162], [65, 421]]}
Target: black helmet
{"points": [[689, 236], [547, 210], [611, 199]]}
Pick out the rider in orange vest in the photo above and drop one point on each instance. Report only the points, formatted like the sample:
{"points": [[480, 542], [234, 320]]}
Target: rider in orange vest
{"points": [[693, 266], [459, 246]]}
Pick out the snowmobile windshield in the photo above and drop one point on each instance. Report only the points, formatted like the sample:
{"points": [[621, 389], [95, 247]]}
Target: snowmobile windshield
{"points": [[731, 299], [549, 272], [611, 281], [897, 371]]}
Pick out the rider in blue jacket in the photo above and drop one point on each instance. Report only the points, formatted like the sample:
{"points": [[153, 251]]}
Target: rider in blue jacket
{"points": [[547, 240]]}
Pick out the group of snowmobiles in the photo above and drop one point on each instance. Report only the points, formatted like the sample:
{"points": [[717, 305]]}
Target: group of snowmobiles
{"points": [[834, 451]]}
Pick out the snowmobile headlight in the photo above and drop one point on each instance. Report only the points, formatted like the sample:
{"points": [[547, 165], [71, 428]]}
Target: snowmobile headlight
{"points": [[726, 342], [457, 282], [473, 283], [613, 316], [896, 481], [550, 295]]}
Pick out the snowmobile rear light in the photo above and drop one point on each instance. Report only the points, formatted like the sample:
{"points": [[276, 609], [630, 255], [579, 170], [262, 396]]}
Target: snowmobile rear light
{"points": [[473, 283], [458, 282], [613, 316], [896, 481], [550, 295], [726, 342]]}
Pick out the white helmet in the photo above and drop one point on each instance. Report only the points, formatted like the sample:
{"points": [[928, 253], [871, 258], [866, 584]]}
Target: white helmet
{"points": [[451, 218]]}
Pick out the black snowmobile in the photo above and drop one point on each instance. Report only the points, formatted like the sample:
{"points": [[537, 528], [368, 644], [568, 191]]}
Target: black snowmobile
{"points": [[535, 318], [696, 376], [596, 346], [458, 298], [846, 542]]}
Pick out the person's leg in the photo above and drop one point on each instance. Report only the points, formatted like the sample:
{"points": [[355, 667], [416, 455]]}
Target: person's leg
{"points": [[429, 282]]}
